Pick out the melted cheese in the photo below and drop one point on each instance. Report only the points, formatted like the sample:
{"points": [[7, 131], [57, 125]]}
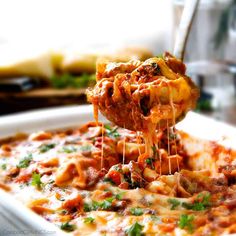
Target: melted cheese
{"points": [[68, 189]]}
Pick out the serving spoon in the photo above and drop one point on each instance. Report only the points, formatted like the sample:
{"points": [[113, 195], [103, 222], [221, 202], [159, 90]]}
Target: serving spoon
{"points": [[186, 21]]}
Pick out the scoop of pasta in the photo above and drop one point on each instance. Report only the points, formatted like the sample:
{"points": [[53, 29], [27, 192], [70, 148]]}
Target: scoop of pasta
{"points": [[139, 95]]}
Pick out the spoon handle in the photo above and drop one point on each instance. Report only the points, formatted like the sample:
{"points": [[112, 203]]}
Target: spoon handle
{"points": [[189, 12]]}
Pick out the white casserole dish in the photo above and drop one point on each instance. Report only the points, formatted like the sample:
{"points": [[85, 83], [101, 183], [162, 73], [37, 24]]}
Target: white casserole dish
{"points": [[16, 219]]}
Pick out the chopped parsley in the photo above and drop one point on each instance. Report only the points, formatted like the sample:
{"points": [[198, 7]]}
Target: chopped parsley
{"points": [[117, 168], [51, 181], [150, 161], [119, 196], [174, 202], [4, 166], [112, 132], [173, 136], [69, 149], [108, 180], [68, 227], [155, 152], [104, 205], [62, 212], [154, 218], [89, 220], [108, 127], [25, 162], [92, 206], [36, 180], [157, 69], [186, 222], [135, 230], [201, 203], [46, 147], [88, 207], [86, 148], [136, 211]]}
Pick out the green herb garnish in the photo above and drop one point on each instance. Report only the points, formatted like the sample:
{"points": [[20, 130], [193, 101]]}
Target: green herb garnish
{"points": [[154, 218], [92, 206], [117, 168], [173, 136], [156, 68], [112, 132], [69, 149], [62, 212], [36, 180], [51, 181], [200, 204], [68, 227], [135, 230], [108, 180], [25, 162], [186, 222], [136, 211], [174, 203], [87, 207], [108, 127], [46, 147], [86, 148], [89, 220], [150, 161], [104, 205], [4, 166], [119, 196], [155, 152]]}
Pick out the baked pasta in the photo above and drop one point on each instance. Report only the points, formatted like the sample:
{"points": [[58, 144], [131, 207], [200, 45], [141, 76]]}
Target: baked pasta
{"points": [[144, 96], [98, 180]]}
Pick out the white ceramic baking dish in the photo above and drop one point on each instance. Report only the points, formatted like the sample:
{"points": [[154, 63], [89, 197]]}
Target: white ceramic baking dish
{"points": [[16, 219]]}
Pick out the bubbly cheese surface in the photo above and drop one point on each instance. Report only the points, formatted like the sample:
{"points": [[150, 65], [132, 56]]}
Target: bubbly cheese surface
{"points": [[98, 180]]}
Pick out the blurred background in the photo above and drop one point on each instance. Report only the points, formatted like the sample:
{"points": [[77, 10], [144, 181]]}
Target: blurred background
{"points": [[49, 48]]}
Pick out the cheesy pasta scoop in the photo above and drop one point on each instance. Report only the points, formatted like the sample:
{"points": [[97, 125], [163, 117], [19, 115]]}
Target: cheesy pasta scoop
{"points": [[139, 95]]}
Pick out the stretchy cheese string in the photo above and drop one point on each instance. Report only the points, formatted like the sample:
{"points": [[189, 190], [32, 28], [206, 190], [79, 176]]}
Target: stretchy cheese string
{"points": [[173, 110], [102, 153], [138, 140], [167, 129], [123, 159], [168, 146], [177, 159], [160, 157], [95, 113]]}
